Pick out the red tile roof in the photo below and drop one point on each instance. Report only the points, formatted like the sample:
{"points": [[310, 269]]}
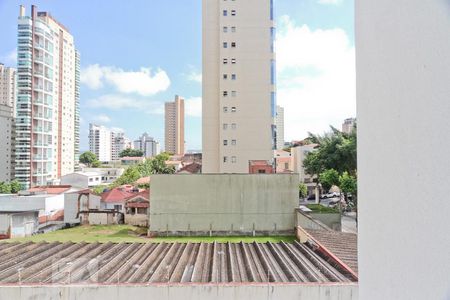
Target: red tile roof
{"points": [[116, 195], [51, 189], [143, 180], [193, 168]]}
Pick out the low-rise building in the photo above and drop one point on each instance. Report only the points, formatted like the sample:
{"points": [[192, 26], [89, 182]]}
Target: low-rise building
{"points": [[130, 161], [82, 179], [283, 161], [260, 167], [137, 209], [298, 155]]}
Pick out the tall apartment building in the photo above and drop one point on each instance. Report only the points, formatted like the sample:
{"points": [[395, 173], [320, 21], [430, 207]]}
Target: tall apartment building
{"points": [[7, 127], [239, 94], [148, 145], [47, 99], [7, 140], [279, 123], [119, 142], [174, 126], [349, 125], [8, 87], [100, 142]]}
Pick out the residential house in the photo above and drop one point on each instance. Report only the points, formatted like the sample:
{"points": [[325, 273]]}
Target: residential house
{"points": [[137, 209]]}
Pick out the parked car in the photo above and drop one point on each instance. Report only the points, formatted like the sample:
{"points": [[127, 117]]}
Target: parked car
{"points": [[311, 197]]}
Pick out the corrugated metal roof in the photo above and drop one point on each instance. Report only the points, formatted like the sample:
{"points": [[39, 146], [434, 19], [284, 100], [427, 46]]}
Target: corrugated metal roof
{"points": [[63, 263]]}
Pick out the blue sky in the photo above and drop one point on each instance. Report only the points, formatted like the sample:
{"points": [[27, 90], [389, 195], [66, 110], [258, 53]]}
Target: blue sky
{"points": [[135, 55]]}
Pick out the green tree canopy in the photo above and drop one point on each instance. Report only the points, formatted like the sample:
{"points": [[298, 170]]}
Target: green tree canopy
{"points": [[15, 187], [336, 150], [348, 183], [5, 188], [328, 178], [131, 153], [302, 190], [88, 158]]}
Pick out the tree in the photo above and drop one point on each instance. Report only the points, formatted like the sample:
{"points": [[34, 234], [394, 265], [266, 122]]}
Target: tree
{"points": [[336, 150], [348, 185], [131, 153], [302, 190], [128, 177], [5, 188], [328, 178], [88, 158], [15, 187], [159, 166]]}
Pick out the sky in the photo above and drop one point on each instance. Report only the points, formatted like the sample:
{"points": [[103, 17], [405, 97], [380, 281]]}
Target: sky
{"points": [[136, 55]]}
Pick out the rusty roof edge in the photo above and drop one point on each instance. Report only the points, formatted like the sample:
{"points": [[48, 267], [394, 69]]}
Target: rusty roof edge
{"points": [[328, 253]]}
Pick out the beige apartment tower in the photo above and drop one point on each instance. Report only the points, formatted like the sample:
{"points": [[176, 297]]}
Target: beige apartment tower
{"points": [[239, 100], [174, 126]]}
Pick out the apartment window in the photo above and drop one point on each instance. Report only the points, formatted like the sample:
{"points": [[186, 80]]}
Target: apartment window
{"points": [[225, 29], [233, 142], [233, 29], [233, 44], [225, 93], [233, 60], [233, 159], [233, 76], [233, 109], [225, 76], [225, 13], [225, 61], [233, 12], [225, 142], [225, 44], [233, 126], [225, 159], [225, 126], [225, 109], [233, 93]]}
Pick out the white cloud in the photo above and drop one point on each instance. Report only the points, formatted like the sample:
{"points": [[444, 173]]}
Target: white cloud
{"points": [[10, 58], [332, 2], [143, 82], [118, 102], [316, 78], [193, 107], [195, 76], [102, 118]]}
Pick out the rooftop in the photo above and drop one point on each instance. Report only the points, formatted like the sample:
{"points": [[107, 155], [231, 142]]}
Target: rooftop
{"points": [[139, 263], [50, 189], [340, 244]]}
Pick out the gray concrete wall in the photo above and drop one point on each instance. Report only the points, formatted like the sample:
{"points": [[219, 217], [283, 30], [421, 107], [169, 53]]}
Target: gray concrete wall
{"points": [[331, 220], [304, 220], [403, 94], [225, 204], [184, 292], [136, 220]]}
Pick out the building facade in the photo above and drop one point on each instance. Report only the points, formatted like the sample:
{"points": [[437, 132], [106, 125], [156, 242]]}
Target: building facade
{"points": [[119, 142], [47, 99], [174, 126], [7, 140], [349, 125], [239, 94], [148, 145], [100, 142], [279, 122], [8, 87]]}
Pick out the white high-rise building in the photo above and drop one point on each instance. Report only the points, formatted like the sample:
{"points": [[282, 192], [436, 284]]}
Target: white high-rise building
{"points": [[119, 142], [47, 99], [148, 145], [279, 122], [239, 93], [100, 142]]}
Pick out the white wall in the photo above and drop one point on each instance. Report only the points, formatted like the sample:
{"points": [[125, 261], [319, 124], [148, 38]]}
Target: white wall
{"points": [[403, 94]]}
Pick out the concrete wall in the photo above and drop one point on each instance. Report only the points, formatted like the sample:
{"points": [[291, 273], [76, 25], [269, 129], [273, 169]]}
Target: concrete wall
{"points": [[304, 220], [136, 220], [185, 292], [232, 204], [331, 220], [403, 94], [18, 224]]}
